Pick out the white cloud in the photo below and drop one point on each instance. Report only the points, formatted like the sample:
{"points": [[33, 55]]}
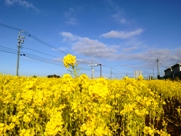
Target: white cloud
{"points": [[71, 21], [69, 15], [61, 49], [166, 56], [122, 20], [68, 36], [88, 47], [130, 50], [81, 61], [9, 2], [119, 18], [22, 3], [133, 42], [132, 45], [122, 34], [69, 12], [58, 59], [114, 5]]}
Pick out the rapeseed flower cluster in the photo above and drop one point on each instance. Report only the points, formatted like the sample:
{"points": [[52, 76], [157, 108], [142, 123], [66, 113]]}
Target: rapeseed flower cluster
{"points": [[83, 106], [69, 60]]}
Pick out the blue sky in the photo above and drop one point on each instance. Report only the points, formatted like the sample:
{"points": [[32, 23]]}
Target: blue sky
{"points": [[122, 35]]}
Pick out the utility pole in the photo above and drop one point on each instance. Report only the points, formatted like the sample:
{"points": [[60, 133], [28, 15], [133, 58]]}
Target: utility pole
{"points": [[158, 72], [20, 42], [92, 70], [92, 65], [111, 73], [153, 72], [100, 69], [92, 75]]}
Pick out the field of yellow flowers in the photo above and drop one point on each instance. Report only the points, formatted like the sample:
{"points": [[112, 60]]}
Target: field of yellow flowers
{"points": [[82, 106], [79, 106]]}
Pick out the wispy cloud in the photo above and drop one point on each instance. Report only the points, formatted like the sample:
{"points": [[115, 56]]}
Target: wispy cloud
{"points": [[61, 49], [166, 56], [132, 45], [22, 3], [119, 18], [122, 20], [81, 61], [131, 50], [119, 15], [67, 36], [57, 59], [69, 12], [113, 4], [88, 47], [70, 19], [122, 34], [133, 42]]}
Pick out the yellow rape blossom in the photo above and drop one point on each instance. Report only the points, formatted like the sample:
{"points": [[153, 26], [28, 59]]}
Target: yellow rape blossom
{"points": [[69, 60], [55, 125], [81, 106]]}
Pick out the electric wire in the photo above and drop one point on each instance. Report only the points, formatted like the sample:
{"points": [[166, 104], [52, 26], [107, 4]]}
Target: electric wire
{"points": [[46, 61], [37, 39], [33, 37], [162, 65], [119, 73], [39, 52], [3, 47], [35, 57], [28, 55], [39, 58], [30, 35], [41, 41], [7, 51], [10, 27]]}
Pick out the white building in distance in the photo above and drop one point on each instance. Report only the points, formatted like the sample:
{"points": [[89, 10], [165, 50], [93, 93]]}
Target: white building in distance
{"points": [[137, 73]]}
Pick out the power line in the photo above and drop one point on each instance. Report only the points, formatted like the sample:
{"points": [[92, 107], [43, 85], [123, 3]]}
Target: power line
{"points": [[46, 61], [41, 41], [38, 51], [28, 55], [7, 51], [30, 35], [34, 57], [10, 27], [7, 48], [162, 65], [39, 58], [33, 37], [38, 40], [112, 68]]}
